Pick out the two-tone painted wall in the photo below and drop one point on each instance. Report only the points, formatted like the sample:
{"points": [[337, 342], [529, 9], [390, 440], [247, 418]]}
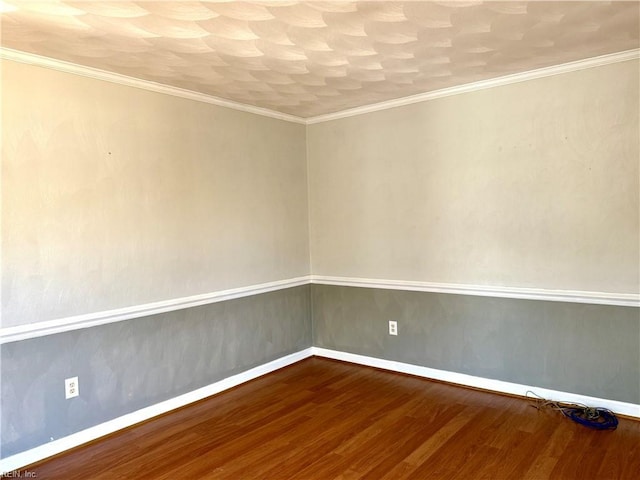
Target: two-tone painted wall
{"points": [[115, 198], [183, 235], [528, 190]]}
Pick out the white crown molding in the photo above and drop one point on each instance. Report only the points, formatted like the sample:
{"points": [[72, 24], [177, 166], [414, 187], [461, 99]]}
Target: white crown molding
{"points": [[68, 67], [623, 408], [60, 445], [572, 296], [481, 85], [39, 329]]}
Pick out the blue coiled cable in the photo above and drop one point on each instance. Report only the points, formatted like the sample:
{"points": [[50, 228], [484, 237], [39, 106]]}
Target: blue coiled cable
{"points": [[596, 418]]}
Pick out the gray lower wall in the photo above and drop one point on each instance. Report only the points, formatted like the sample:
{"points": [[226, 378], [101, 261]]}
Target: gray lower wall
{"points": [[579, 348], [125, 366]]}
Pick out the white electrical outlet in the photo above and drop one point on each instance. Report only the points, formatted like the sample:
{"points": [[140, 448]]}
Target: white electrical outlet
{"points": [[393, 327], [71, 387]]}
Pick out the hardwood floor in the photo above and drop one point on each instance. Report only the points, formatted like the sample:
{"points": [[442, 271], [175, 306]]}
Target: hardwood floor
{"points": [[322, 419]]}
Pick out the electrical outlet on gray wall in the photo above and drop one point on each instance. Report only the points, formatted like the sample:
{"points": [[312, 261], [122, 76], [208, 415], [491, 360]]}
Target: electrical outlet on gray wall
{"points": [[393, 327]]}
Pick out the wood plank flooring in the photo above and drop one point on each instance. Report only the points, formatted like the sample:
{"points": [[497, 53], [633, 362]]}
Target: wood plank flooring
{"points": [[323, 419]]}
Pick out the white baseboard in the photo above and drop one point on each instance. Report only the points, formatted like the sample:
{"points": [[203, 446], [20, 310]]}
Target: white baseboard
{"points": [[623, 408], [60, 445]]}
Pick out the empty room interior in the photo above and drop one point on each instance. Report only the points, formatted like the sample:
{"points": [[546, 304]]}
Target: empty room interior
{"points": [[320, 240]]}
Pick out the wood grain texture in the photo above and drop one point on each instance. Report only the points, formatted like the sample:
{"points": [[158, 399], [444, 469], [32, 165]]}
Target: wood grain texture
{"points": [[323, 419]]}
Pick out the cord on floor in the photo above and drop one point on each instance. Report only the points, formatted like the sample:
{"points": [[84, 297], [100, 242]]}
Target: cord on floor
{"points": [[592, 417]]}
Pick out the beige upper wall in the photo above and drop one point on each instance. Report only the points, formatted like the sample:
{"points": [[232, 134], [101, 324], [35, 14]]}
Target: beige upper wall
{"points": [[114, 196], [532, 184]]}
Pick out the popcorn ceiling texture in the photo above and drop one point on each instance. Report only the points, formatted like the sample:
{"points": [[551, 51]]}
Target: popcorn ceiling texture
{"points": [[313, 58]]}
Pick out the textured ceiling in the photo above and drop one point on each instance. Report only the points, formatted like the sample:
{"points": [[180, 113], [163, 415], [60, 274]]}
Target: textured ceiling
{"points": [[312, 58]]}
